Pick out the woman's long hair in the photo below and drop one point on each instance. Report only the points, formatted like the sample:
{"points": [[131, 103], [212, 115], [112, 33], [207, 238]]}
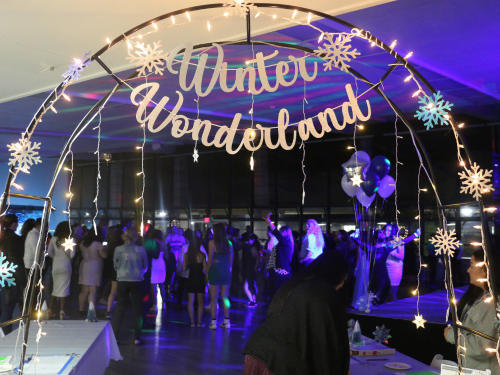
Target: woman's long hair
{"points": [[315, 229], [62, 232], [221, 242], [8, 220], [194, 250], [28, 225], [91, 237], [286, 232], [330, 266]]}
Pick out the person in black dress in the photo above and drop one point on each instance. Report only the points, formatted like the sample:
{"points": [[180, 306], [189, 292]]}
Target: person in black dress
{"points": [[251, 260], [280, 260], [12, 248], [305, 331], [195, 261]]}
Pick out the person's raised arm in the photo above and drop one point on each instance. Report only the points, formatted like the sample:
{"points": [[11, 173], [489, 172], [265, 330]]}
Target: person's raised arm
{"points": [[268, 219], [412, 237]]}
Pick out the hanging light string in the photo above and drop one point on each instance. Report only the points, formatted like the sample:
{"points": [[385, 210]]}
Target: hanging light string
{"points": [[397, 165], [98, 127], [417, 291], [252, 161], [143, 178], [303, 146], [70, 196], [197, 117]]}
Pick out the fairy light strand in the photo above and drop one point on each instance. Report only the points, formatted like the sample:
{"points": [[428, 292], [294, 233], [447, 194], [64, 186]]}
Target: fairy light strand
{"points": [[98, 127], [303, 146]]}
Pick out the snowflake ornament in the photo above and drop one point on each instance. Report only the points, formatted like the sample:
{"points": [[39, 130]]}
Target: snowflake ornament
{"points": [[76, 68], [446, 242], [434, 110], [356, 180], [6, 272], [382, 334], [419, 321], [149, 58], [195, 155], [68, 244], [397, 242], [336, 52], [239, 7], [476, 181], [24, 154]]}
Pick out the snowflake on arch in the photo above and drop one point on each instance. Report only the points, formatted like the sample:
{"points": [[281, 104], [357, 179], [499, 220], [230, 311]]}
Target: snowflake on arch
{"points": [[336, 52], [76, 68], [239, 7], [148, 58], [433, 111], [445, 241], [397, 241], [382, 334], [476, 181], [6, 272], [24, 154]]}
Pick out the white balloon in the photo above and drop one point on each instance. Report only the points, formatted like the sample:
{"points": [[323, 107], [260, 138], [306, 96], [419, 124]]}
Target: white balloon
{"points": [[364, 199]]}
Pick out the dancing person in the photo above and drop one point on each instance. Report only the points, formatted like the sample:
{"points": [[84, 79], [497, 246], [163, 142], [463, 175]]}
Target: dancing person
{"points": [[11, 246], [280, 260], [159, 271], [251, 261], [61, 268], [220, 263], [305, 331], [394, 263], [174, 242], [479, 315], [153, 252], [195, 262], [131, 262], [313, 243], [90, 267], [115, 240]]}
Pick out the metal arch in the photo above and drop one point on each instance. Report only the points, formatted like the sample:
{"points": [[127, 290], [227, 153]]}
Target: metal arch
{"points": [[88, 118]]}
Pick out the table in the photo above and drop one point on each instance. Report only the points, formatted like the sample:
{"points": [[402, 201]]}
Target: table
{"points": [[361, 365], [93, 345]]}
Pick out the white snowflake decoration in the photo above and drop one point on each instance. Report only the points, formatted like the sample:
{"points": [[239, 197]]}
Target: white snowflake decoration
{"points": [[476, 181], [336, 52], [76, 68], [446, 242], [149, 58], [382, 334], [433, 111], [24, 154], [397, 241], [6, 272], [419, 321], [239, 7]]}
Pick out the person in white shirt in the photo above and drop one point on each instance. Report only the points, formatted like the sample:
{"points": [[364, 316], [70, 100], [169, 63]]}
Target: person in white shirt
{"points": [[30, 245], [313, 243]]}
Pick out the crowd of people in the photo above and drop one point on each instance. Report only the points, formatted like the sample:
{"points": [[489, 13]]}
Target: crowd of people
{"points": [[286, 271]]}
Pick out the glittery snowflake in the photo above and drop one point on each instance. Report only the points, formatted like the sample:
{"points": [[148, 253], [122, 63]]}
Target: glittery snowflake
{"points": [[24, 154], [6, 271], [445, 241], [433, 111], [149, 58], [336, 52], [397, 242], [76, 68], [239, 7], [476, 181], [382, 334]]}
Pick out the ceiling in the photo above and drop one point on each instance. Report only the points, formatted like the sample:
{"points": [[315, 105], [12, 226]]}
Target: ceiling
{"points": [[455, 47]]}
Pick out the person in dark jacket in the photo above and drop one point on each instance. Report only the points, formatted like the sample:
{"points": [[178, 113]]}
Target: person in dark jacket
{"points": [[280, 260], [305, 331], [12, 248]]}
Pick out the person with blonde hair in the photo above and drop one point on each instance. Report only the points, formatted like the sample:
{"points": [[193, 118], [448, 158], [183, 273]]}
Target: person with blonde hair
{"points": [[131, 262], [313, 243]]}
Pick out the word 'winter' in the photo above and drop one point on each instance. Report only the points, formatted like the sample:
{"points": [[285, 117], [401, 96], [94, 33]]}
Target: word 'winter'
{"points": [[220, 72], [224, 136]]}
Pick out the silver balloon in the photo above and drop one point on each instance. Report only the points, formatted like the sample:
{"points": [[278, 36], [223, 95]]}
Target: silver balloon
{"points": [[352, 167]]}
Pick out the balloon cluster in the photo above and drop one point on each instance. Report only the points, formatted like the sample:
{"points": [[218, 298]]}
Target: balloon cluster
{"points": [[374, 174]]}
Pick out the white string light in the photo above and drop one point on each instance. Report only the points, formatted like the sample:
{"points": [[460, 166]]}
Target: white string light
{"points": [[98, 127], [303, 146]]}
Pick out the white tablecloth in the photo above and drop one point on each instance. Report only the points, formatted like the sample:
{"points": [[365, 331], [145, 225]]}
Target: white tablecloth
{"points": [[93, 344], [363, 365]]}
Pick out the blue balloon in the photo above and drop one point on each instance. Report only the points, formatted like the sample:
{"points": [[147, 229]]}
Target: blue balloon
{"points": [[380, 165], [371, 183]]}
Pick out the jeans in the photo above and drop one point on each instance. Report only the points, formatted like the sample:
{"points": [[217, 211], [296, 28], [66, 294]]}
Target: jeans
{"points": [[8, 306], [134, 288]]}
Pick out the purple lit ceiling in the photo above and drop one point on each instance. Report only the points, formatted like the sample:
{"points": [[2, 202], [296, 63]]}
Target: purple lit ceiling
{"points": [[455, 45]]}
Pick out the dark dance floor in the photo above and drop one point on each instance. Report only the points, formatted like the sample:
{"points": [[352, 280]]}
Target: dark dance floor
{"points": [[173, 347], [432, 307]]}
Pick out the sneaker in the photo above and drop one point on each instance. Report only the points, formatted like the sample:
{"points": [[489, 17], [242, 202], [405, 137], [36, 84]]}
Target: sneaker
{"points": [[137, 342], [213, 325], [252, 304], [153, 308], [201, 325], [109, 315], [193, 325], [63, 316], [225, 325]]}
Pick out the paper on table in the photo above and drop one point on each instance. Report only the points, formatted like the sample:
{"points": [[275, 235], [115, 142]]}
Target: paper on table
{"points": [[50, 364], [5, 360]]}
